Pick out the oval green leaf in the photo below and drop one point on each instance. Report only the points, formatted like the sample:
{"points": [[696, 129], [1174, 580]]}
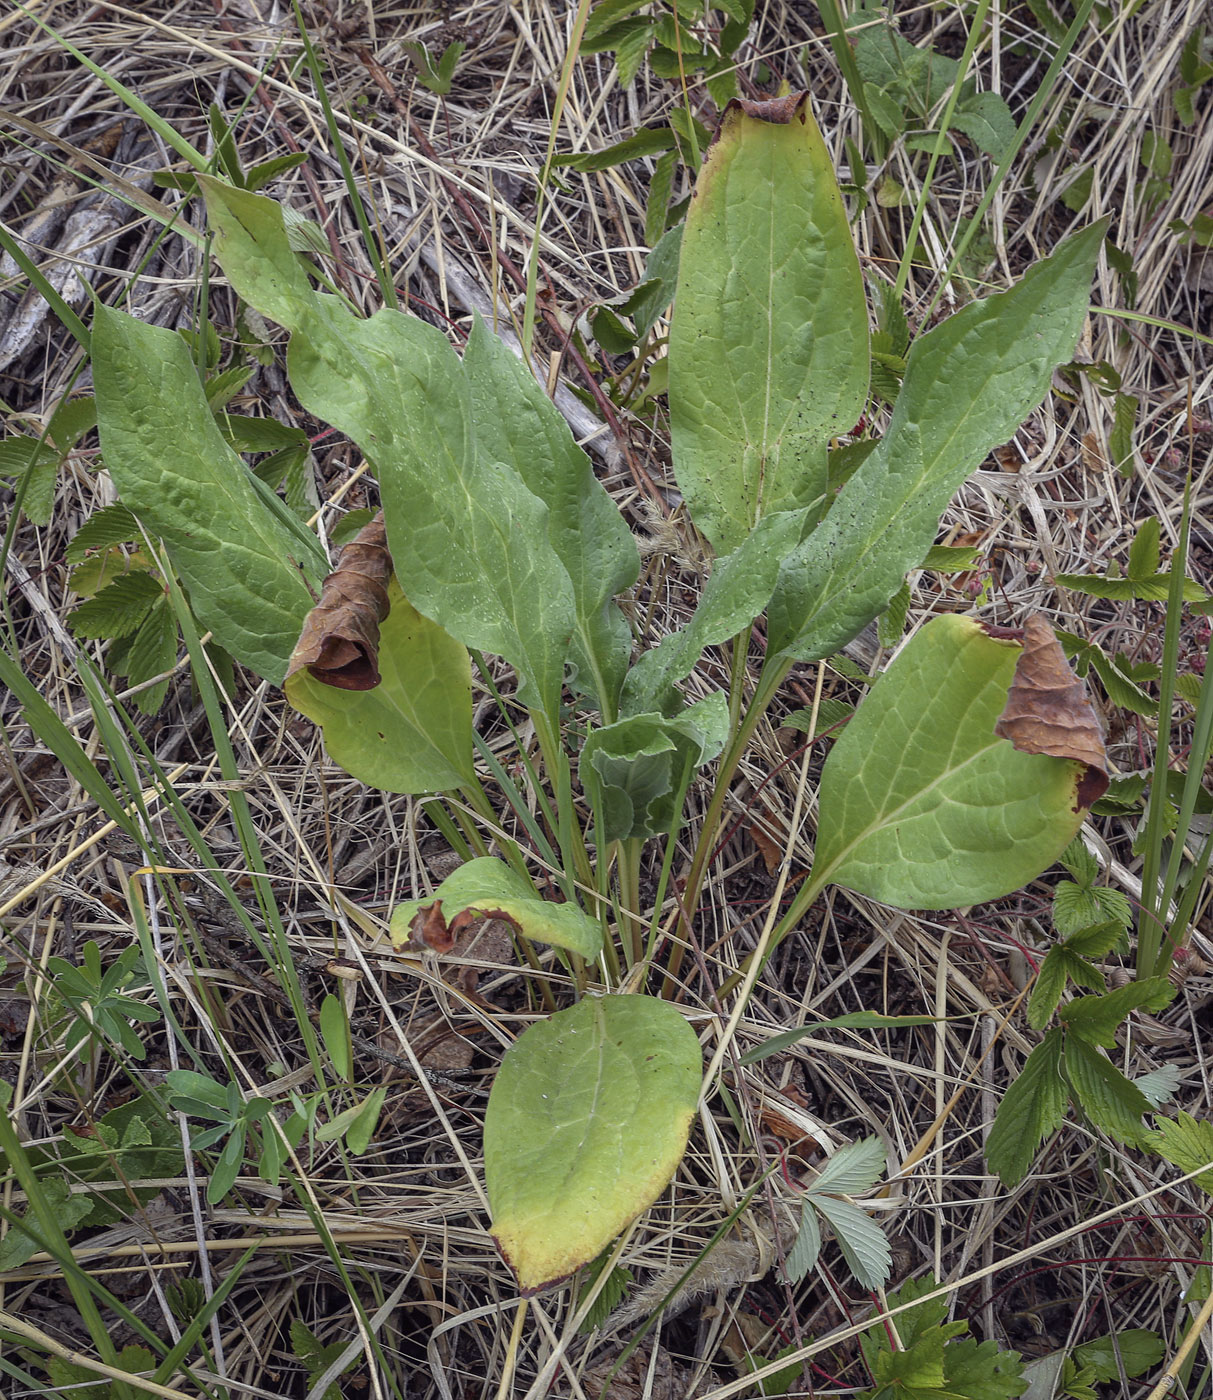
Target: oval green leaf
{"points": [[769, 341], [586, 1123], [921, 804], [488, 888], [413, 732]]}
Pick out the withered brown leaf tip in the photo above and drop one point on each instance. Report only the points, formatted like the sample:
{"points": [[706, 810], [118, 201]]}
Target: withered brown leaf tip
{"points": [[339, 643], [1047, 710]]}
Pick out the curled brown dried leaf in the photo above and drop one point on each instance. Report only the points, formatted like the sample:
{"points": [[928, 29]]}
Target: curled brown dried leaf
{"points": [[1047, 711], [339, 643]]}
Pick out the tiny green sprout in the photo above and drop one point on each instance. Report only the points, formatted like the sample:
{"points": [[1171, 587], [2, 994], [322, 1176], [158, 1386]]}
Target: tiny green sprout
{"points": [[437, 77], [102, 1013]]}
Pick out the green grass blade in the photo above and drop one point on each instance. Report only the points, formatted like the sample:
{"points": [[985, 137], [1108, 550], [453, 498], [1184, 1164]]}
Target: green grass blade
{"points": [[1153, 921], [1025, 129]]}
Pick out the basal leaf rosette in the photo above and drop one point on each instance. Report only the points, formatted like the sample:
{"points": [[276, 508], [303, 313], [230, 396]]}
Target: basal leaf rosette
{"points": [[924, 805], [586, 1124]]}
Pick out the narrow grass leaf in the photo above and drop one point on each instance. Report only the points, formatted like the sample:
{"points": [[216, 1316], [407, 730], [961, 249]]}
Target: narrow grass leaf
{"points": [[852, 1020]]}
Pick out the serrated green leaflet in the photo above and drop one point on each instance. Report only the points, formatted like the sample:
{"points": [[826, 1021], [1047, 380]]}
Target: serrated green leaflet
{"points": [[1111, 1101], [854, 1168], [412, 732], [1031, 1109], [246, 568], [969, 384], [921, 804], [490, 888], [1188, 1143], [469, 540], [1096, 1019], [861, 1240], [587, 1120], [768, 345]]}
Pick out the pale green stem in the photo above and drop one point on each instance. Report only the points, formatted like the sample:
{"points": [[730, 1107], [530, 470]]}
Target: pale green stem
{"points": [[772, 678]]}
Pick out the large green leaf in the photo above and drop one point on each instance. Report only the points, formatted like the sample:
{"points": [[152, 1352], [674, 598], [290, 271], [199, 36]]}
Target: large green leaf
{"points": [[487, 888], [586, 1123], [769, 341], [469, 541], [921, 804], [969, 384], [515, 422], [413, 731], [244, 560]]}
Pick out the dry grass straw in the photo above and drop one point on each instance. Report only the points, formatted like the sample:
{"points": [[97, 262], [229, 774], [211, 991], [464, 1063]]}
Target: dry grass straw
{"points": [[451, 186]]}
